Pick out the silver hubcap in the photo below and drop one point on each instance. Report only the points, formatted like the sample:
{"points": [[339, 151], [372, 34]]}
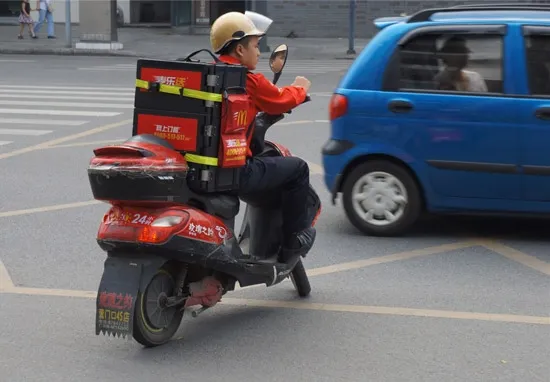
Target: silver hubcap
{"points": [[379, 198]]}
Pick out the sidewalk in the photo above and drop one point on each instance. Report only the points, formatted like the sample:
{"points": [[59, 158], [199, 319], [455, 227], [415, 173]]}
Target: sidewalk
{"points": [[163, 44]]}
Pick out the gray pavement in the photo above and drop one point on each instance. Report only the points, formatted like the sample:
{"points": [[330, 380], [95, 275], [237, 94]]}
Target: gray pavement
{"points": [[459, 299], [165, 43]]}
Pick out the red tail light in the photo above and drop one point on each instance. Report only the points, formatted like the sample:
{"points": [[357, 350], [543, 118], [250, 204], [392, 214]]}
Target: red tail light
{"points": [[163, 227], [338, 106]]}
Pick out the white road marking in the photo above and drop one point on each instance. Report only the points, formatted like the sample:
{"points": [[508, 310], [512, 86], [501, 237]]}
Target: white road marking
{"points": [[68, 104], [60, 112], [3, 143], [29, 121], [105, 88], [46, 93], [23, 132], [68, 97]]}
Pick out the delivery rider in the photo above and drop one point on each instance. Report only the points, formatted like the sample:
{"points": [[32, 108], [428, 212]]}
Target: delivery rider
{"points": [[235, 38]]}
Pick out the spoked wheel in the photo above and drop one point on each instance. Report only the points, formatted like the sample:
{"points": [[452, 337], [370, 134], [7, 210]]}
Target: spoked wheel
{"points": [[300, 280], [154, 322]]}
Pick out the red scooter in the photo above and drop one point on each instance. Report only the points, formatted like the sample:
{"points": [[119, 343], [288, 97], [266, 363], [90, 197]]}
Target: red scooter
{"points": [[165, 257]]}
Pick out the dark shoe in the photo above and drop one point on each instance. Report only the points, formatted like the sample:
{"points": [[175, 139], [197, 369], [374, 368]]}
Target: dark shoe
{"points": [[52, 37], [299, 245]]}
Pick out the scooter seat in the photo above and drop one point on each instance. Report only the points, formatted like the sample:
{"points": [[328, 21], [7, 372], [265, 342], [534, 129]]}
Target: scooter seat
{"points": [[225, 206]]}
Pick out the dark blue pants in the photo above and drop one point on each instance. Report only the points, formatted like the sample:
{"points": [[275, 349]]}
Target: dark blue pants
{"points": [[288, 176]]}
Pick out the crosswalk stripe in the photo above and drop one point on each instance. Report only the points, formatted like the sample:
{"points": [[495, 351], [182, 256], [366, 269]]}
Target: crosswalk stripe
{"points": [[67, 104], [2, 143], [106, 88], [23, 132], [48, 92], [60, 112], [29, 121], [71, 97]]}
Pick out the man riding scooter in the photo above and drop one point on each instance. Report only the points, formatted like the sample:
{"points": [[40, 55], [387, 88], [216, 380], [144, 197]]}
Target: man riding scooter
{"points": [[235, 37]]}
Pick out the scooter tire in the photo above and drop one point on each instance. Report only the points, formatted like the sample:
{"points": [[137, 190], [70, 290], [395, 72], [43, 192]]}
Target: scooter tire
{"points": [[144, 332], [299, 278]]}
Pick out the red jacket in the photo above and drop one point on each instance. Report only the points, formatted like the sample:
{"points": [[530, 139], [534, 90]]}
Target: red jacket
{"points": [[266, 96]]}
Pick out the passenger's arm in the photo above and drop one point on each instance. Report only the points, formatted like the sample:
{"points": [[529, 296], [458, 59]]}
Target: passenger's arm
{"points": [[271, 99]]}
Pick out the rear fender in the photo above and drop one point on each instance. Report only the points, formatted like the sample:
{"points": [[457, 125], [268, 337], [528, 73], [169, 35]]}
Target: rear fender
{"points": [[123, 279]]}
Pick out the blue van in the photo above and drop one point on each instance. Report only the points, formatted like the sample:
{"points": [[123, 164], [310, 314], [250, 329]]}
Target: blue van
{"points": [[447, 110]]}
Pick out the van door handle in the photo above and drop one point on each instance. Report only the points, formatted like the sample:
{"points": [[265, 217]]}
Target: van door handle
{"points": [[400, 106], [543, 113]]}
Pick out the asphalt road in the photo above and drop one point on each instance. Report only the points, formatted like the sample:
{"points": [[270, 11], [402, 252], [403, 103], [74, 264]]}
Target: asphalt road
{"points": [[461, 299]]}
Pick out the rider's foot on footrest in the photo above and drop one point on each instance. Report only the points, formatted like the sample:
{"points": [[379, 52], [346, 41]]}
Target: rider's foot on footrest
{"points": [[300, 244]]}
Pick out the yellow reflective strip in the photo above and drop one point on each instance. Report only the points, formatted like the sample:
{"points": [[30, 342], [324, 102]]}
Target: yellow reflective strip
{"points": [[170, 89], [142, 84], [205, 96], [199, 159]]}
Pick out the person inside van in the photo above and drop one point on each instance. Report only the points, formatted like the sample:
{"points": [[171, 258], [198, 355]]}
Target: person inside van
{"points": [[454, 77]]}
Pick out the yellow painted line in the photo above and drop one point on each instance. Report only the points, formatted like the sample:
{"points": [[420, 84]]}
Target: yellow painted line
{"points": [[407, 255], [56, 207], [363, 309], [6, 283], [314, 168], [52, 292], [64, 139], [391, 311], [517, 256], [90, 143]]}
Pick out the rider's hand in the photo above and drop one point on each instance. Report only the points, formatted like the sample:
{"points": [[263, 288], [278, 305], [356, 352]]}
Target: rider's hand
{"points": [[302, 82]]}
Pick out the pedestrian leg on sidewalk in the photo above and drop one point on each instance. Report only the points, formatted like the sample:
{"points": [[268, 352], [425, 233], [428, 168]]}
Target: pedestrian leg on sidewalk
{"points": [[51, 31], [41, 18]]}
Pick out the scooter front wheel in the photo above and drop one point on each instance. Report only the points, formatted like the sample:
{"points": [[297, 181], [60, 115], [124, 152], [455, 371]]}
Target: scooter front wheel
{"points": [[300, 280], [154, 323]]}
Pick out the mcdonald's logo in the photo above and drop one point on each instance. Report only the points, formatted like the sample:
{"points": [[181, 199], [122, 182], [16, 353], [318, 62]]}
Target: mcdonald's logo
{"points": [[241, 118]]}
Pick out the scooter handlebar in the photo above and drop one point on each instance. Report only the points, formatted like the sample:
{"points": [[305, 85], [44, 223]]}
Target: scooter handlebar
{"points": [[308, 98]]}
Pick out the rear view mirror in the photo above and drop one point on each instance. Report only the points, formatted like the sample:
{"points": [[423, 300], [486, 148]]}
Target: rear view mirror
{"points": [[277, 61]]}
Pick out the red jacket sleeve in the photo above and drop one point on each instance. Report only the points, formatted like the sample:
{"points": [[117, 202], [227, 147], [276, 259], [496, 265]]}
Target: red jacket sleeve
{"points": [[269, 98]]}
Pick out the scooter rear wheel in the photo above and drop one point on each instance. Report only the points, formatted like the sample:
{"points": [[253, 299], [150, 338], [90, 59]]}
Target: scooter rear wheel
{"points": [[154, 323], [300, 280]]}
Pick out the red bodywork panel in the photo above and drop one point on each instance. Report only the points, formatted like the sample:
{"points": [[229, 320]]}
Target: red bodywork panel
{"points": [[127, 223]]}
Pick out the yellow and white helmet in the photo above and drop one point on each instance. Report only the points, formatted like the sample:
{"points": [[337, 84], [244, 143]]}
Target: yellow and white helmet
{"points": [[234, 26]]}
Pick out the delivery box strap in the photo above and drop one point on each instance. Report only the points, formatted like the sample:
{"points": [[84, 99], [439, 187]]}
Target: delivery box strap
{"points": [[178, 90], [199, 159]]}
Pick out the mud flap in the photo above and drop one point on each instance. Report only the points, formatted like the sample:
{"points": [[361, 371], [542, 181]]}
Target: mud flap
{"points": [[123, 278]]}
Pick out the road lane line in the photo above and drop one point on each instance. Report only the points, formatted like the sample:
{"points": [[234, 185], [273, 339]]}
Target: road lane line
{"points": [[90, 143], [362, 309], [67, 104], [24, 132], [56, 207], [6, 283], [65, 139], [407, 255], [30, 121], [85, 88], [67, 97], [390, 311], [46, 93], [517, 256], [60, 112]]}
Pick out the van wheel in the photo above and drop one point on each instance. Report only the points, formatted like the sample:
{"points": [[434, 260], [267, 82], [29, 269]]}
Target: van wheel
{"points": [[381, 198]]}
